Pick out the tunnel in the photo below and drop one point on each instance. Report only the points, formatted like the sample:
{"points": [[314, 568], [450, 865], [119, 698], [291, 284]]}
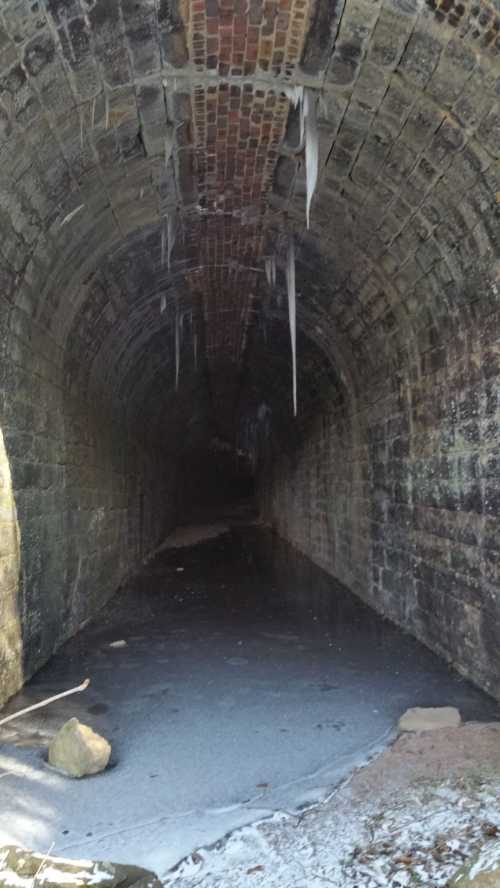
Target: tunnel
{"points": [[250, 253]]}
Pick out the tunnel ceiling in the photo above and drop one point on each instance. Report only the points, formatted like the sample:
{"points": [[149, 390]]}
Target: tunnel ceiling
{"points": [[151, 161]]}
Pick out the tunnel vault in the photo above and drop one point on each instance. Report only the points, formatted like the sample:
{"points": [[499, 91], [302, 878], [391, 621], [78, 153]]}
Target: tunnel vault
{"points": [[150, 162]]}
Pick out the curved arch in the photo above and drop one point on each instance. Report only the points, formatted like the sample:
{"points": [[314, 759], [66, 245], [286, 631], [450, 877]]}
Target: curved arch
{"points": [[122, 122]]}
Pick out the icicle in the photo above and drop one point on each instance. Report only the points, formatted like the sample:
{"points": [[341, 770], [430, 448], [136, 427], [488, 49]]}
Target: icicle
{"points": [[270, 266], [195, 350], [269, 277], [302, 119], [290, 284], [170, 235], [169, 143], [82, 125], [163, 240], [310, 130], [294, 94], [92, 114], [163, 302], [177, 349]]}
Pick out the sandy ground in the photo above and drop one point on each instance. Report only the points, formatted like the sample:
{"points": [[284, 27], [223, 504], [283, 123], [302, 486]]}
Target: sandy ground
{"points": [[412, 816]]}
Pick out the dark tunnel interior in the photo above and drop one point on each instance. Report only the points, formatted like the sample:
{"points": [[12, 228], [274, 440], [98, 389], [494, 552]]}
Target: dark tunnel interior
{"points": [[152, 169]]}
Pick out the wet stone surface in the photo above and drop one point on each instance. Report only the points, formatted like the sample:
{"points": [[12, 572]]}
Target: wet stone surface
{"points": [[250, 682]]}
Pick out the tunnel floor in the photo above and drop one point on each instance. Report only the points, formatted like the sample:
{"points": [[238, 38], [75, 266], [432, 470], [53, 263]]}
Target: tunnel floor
{"points": [[250, 682]]}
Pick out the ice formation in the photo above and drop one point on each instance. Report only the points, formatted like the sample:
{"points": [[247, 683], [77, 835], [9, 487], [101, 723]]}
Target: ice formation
{"points": [[270, 266], [306, 99], [309, 133], [171, 232], [290, 285]]}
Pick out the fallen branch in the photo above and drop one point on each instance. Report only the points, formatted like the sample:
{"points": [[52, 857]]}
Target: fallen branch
{"points": [[82, 687]]}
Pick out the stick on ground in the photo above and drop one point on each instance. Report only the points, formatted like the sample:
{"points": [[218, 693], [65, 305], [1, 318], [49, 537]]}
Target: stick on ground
{"points": [[82, 687]]}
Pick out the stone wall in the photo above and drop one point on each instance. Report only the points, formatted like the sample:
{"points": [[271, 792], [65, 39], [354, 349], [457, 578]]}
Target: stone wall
{"points": [[84, 496], [405, 510], [123, 124]]}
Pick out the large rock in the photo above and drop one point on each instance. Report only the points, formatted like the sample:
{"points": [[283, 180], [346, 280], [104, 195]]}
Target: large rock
{"points": [[78, 750], [418, 719], [19, 867], [483, 871]]}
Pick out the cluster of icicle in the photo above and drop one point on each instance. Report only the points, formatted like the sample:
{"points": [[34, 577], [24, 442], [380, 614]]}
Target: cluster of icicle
{"points": [[306, 99]]}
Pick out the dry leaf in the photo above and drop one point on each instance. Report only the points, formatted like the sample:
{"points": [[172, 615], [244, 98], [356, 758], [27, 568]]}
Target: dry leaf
{"points": [[405, 859], [255, 869]]}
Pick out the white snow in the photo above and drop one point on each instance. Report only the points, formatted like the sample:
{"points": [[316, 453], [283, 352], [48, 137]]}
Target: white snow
{"points": [[412, 840], [488, 860]]}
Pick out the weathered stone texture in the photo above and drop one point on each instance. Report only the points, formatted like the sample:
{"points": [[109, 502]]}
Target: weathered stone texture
{"points": [[118, 117]]}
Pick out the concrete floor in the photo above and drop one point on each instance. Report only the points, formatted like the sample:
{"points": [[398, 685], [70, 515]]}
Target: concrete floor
{"points": [[250, 682]]}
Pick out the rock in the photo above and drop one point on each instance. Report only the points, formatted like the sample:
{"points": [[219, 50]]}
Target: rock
{"points": [[483, 871], [78, 750], [422, 719], [18, 868]]}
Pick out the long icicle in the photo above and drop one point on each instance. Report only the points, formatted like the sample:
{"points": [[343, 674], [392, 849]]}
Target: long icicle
{"points": [[290, 284], [269, 276], [310, 128], [177, 348], [163, 302], [170, 235], [163, 243]]}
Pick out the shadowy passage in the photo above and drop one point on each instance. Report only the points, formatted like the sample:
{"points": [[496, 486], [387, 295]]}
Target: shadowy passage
{"points": [[250, 682]]}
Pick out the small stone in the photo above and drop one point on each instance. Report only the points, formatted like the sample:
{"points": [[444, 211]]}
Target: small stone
{"points": [[430, 719], [78, 750], [483, 871]]}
